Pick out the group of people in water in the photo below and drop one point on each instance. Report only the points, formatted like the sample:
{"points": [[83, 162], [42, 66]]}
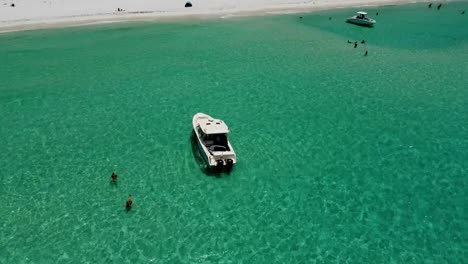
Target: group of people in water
{"points": [[364, 42], [440, 5], [128, 204], [356, 45]]}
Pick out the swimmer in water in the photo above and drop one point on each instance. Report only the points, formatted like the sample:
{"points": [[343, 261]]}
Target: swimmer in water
{"points": [[128, 205], [114, 177]]}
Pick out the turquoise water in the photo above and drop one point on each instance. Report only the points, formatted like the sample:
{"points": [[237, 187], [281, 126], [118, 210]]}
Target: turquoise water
{"points": [[342, 158]]}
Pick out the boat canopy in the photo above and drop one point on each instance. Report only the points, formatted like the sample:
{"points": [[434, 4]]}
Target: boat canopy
{"points": [[362, 13], [213, 126]]}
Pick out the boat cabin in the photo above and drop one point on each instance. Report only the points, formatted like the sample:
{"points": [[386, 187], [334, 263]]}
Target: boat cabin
{"points": [[361, 15], [213, 134]]}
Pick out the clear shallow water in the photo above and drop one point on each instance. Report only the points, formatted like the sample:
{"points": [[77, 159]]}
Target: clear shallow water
{"points": [[342, 158]]}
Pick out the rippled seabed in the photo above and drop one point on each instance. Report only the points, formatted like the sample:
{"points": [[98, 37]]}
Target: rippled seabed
{"points": [[342, 158]]}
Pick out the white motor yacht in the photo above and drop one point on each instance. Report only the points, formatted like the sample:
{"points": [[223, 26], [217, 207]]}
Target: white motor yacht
{"points": [[212, 139], [361, 19]]}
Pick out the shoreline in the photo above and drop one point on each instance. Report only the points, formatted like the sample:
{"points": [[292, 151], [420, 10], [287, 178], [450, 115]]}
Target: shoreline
{"points": [[14, 25]]}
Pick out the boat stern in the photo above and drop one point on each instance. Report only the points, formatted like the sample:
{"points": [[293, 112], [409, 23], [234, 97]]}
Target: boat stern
{"points": [[223, 161]]}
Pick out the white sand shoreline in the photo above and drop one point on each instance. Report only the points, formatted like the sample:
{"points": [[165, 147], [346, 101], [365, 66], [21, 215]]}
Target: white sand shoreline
{"points": [[34, 14]]}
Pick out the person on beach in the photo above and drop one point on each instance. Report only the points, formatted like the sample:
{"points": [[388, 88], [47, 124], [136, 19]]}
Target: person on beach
{"points": [[128, 205], [114, 177]]}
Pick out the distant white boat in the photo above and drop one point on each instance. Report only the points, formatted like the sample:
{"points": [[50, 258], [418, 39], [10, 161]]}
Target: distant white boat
{"points": [[361, 19], [212, 138]]}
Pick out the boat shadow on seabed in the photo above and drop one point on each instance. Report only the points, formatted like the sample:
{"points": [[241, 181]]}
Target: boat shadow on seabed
{"points": [[199, 158]]}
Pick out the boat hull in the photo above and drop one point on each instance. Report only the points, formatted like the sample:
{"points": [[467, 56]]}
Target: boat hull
{"points": [[200, 148], [367, 23]]}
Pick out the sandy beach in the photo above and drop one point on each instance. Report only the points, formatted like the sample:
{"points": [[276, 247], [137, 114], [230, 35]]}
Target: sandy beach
{"points": [[32, 14]]}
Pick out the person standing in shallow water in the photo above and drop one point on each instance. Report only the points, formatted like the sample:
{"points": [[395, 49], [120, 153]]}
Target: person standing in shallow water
{"points": [[114, 177], [129, 203]]}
